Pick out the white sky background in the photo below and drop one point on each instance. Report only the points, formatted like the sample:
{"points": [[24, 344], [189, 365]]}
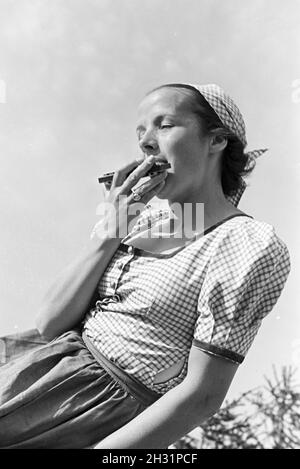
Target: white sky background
{"points": [[74, 72]]}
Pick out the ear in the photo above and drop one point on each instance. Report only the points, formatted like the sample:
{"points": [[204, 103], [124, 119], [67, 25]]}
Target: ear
{"points": [[218, 143]]}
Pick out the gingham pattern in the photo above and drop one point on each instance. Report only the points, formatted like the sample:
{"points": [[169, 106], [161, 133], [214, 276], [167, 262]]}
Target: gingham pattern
{"points": [[231, 117], [212, 293], [225, 108]]}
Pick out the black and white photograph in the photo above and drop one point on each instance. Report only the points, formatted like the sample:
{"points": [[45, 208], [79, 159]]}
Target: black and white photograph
{"points": [[149, 242]]}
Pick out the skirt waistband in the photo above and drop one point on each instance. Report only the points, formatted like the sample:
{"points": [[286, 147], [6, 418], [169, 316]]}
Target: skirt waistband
{"points": [[134, 387]]}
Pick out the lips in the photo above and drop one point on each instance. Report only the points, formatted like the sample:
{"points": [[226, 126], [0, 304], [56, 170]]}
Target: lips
{"points": [[160, 160]]}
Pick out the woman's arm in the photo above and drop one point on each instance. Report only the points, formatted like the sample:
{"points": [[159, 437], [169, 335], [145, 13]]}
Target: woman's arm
{"points": [[181, 409], [68, 299]]}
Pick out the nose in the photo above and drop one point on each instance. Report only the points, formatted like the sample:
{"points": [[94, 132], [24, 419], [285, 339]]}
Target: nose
{"points": [[149, 144]]}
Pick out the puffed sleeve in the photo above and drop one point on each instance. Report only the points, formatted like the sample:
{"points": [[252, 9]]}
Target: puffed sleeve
{"points": [[244, 279]]}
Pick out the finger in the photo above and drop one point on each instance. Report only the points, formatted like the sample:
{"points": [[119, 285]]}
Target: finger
{"points": [[137, 174], [154, 191], [146, 188], [122, 173]]}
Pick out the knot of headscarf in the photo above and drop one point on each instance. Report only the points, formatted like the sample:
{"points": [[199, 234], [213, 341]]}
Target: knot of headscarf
{"points": [[231, 117]]}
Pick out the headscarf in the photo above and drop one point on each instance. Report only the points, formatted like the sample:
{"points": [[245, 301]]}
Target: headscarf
{"points": [[231, 117]]}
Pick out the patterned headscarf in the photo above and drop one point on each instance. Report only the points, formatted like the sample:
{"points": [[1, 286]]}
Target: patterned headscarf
{"points": [[231, 117]]}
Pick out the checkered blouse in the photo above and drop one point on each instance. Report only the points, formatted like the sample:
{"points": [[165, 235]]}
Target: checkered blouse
{"points": [[212, 293]]}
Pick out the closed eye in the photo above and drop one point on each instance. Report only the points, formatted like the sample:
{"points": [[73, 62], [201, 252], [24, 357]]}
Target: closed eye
{"points": [[141, 130], [166, 126]]}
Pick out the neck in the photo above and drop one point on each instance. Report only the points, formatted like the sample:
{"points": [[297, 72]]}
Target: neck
{"points": [[208, 202]]}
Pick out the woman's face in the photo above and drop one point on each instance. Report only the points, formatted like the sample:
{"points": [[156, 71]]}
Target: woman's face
{"points": [[169, 130]]}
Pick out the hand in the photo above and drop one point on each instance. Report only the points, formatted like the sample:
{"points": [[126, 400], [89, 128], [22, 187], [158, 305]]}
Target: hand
{"points": [[120, 200]]}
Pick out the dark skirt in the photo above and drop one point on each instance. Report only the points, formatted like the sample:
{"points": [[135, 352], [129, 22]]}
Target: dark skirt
{"points": [[57, 395]]}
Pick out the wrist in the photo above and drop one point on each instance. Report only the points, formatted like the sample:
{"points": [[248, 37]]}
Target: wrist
{"points": [[104, 230]]}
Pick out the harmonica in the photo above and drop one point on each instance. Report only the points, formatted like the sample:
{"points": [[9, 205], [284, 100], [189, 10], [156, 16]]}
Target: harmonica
{"points": [[155, 168]]}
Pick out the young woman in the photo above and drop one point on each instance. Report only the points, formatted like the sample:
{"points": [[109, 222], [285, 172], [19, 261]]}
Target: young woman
{"points": [[147, 332]]}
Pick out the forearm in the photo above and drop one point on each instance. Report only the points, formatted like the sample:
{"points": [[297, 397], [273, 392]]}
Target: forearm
{"points": [[164, 422], [66, 301]]}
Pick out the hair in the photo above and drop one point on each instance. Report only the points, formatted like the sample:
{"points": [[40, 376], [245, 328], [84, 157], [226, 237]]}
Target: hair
{"points": [[235, 163]]}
